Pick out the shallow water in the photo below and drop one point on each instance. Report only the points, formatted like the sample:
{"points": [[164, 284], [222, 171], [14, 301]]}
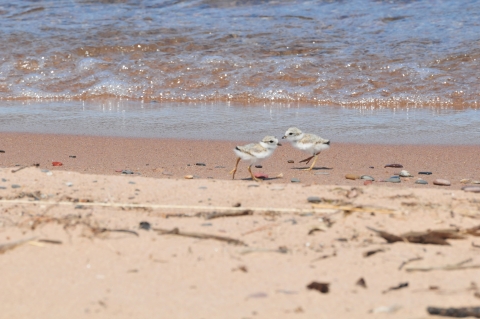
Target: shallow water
{"points": [[363, 53], [229, 121]]}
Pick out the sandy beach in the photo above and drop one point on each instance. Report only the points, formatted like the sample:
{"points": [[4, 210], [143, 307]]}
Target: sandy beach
{"points": [[87, 240]]}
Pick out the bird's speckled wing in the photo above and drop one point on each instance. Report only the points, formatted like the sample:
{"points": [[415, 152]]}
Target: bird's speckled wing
{"points": [[313, 139], [253, 149]]}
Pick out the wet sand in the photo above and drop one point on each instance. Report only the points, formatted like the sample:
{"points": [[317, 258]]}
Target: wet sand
{"points": [[71, 242]]}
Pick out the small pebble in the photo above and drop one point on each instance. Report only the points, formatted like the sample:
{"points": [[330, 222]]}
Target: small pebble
{"points": [[57, 164], [367, 182], [2, 151], [472, 189], [219, 166], [145, 225], [425, 173], [352, 176], [371, 167], [314, 199], [202, 187], [4, 180], [465, 181], [394, 165], [258, 166], [367, 177], [69, 184], [206, 224], [188, 177], [394, 179], [73, 156], [200, 164], [476, 182], [405, 173], [295, 180], [253, 185], [131, 182], [421, 181], [3, 187], [441, 182], [126, 171], [16, 186], [291, 161]]}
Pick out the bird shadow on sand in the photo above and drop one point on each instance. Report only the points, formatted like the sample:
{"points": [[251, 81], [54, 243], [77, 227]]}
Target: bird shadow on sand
{"points": [[261, 178], [314, 168]]}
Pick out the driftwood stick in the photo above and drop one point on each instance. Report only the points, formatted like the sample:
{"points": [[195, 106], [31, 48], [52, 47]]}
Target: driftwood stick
{"points": [[9, 246], [229, 214], [455, 312], [176, 231]]}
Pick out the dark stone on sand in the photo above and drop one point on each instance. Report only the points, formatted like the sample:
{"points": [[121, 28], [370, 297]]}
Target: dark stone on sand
{"points": [[291, 161], [314, 199], [394, 165], [367, 177], [145, 225], [295, 180], [442, 182], [16, 186], [126, 171], [421, 181], [73, 156], [200, 164], [3, 187], [131, 182], [371, 167], [2, 151], [4, 180], [258, 166], [425, 173]]}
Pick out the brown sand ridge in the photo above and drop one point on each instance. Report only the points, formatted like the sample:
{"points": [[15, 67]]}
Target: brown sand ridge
{"points": [[72, 245]]}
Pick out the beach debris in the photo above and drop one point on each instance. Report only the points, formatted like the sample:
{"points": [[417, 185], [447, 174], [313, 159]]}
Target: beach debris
{"points": [[472, 189], [23, 167], [213, 215], [260, 175], [57, 164], [257, 295], [260, 228], [404, 173], [145, 225], [322, 287], [295, 180], [352, 176], [281, 250], [372, 252], [421, 181], [200, 164], [242, 268], [455, 312], [166, 173], [177, 232], [458, 266], [16, 186], [361, 282], [475, 245], [397, 287], [465, 181], [290, 161], [367, 177], [2, 151], [314, 199], [366, 183], [188, 177], [436, 237], [409, 261], [72, 156], [279, 175], [441, 182], [50, 241], [425, 173], [127, 172], [334, 254], [258, 166], [475, 182], [354, 192], [386, 309], [15, 244], [394, 165]]}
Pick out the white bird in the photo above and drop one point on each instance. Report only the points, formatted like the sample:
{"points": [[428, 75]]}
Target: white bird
{"points": [[255, 153], [309, 143]]}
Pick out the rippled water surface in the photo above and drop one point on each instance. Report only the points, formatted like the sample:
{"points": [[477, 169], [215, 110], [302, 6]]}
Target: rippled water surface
{"points": [[376, 53]]}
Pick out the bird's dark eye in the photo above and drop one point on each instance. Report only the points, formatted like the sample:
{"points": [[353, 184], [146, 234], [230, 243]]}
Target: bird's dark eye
{"points": [[271, 141], [290, 133]]}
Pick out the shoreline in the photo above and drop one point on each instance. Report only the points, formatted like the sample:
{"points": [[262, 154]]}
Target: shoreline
{"points": [[174, 159]]}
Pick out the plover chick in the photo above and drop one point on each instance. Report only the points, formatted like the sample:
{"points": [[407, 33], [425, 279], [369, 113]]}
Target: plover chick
{"points": [[309, 143], [255, 153]]}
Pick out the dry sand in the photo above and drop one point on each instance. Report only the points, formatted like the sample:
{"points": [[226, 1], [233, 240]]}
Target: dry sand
{"points": [[81, 252]]}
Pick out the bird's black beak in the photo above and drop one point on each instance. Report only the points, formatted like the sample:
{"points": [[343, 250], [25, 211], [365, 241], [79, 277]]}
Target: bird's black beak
{"points": [[284, 137], [278, 144]]}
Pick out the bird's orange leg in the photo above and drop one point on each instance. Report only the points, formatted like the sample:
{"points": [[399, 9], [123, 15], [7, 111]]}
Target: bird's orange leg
{"points": [[251, 174], [313, 164], [307, 160], [233, 171]]}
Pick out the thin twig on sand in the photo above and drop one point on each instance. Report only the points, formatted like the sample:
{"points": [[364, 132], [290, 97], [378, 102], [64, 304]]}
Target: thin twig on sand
{"points": [[229, 214], [176, 231], [455, 312], [409, 261], [458, 266]]}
